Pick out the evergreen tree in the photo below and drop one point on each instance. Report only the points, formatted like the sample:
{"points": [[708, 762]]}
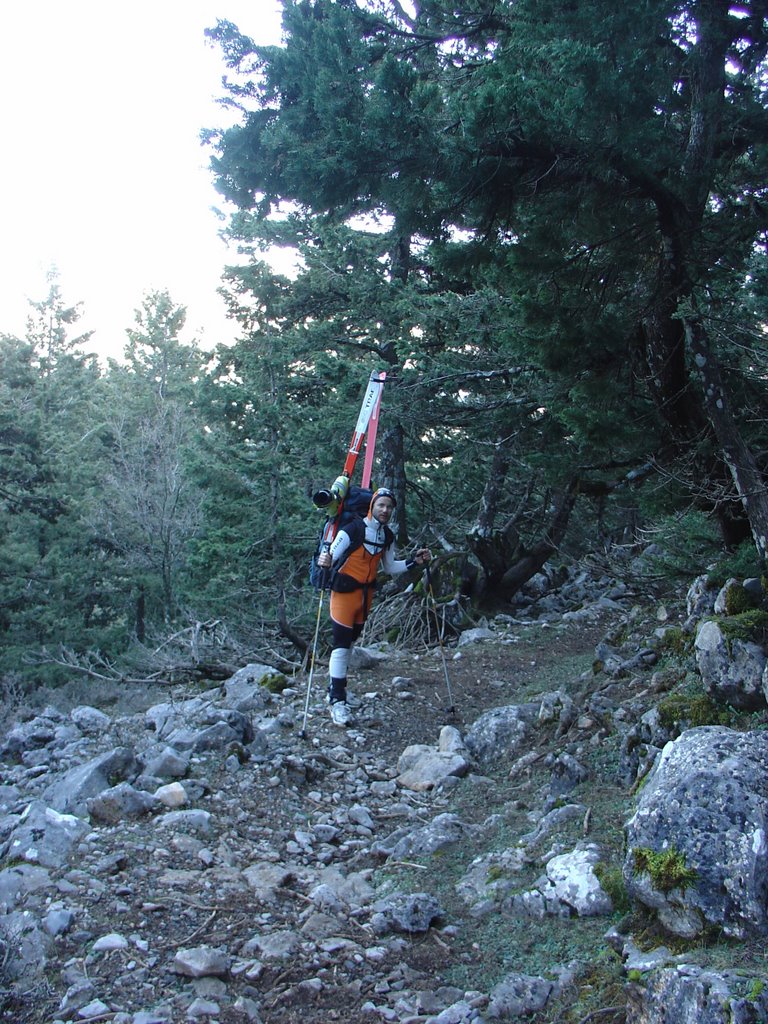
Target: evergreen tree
{"points": [[148, 508], [597, 169], [51, 442]]}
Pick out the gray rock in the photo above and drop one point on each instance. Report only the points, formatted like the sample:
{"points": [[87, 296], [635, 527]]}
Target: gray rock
{"points": [[704, 804], [641, 744], [574, 882], [731, 671], [700, 599], [352, 890], [58, 920], [360, 815], [519, 995], [110, 942], [443, 831], [38, 732], [215, 737], [78, 995], [70, 792], [202, 961], [120, 803], [366, 657], [754, 588], [164, 718], [25, 946], [460, 1012], [266, 878], [410, 913], [450, 741], [691, 993], [492, 875], [721, 600], [247, 689], [501, 732], [167, 764], [327, 898], [475, 636], [551, 822], [172, 794], [90, 720], [567, 774], [422, 768], [558, 706], [10, 796], [608, 659], [46, 837], [18, 881], [193, 820], [249, 1008], [277, 945]]}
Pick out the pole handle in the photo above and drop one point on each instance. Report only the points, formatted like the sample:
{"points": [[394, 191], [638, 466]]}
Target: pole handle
{"points": [[325, 579]]}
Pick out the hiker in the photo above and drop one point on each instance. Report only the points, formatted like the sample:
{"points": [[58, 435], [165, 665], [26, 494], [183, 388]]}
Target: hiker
{"points": [[353, 585]]}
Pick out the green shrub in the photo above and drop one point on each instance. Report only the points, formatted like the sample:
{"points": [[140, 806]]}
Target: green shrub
{"points": [[667, 868], [694, 710], [751, 626], [675, 642], [757, 989], [738, 600], [741, 564], [611, 879], [688, 542], [275, 682]]}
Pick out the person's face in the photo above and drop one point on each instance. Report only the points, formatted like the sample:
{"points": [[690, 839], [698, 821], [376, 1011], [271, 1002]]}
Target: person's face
{"points": [[382, 509]]}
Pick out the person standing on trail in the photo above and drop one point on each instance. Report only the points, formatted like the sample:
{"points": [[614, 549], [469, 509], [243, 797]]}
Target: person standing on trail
{"points": [[352, 588]]}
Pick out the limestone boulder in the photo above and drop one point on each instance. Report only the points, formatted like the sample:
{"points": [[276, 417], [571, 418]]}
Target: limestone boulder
{"points": [[696, 844]]}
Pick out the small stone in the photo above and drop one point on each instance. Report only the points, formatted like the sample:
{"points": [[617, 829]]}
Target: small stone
{"points": [[172, 794], [109, 942], [93, 1009]]}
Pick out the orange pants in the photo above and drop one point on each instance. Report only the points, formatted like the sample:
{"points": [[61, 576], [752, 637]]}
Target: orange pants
{"points": [[351, 609]]}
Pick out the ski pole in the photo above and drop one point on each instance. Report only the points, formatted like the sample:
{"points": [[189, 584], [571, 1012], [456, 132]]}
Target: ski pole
{"points": [[431, 593], [313, 655]]}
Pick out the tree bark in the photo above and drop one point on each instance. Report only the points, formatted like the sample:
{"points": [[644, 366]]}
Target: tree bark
{"points": [[392, 475], [494, 549], [749, 481], [535, 558], [286, 629]]}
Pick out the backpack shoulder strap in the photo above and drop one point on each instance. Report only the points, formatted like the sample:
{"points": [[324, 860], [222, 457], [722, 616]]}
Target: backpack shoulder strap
{"points": [[355, 530]]}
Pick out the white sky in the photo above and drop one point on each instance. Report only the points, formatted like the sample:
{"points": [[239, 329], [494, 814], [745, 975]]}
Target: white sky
{"points": [[102, 173]]}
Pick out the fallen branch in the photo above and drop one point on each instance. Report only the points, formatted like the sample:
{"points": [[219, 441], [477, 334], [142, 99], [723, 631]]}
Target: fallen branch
{"points": [[91, 664]]}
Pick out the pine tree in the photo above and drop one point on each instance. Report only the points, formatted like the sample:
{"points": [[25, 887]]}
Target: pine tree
{"points": [[596, 168]]}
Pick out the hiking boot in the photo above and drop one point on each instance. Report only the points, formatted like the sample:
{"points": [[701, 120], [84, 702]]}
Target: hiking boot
{"points": [[337, 690], [340, 713]]}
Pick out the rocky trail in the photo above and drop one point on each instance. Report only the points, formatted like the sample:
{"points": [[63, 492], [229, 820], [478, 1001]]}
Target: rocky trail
{"points": [[201, 859]]}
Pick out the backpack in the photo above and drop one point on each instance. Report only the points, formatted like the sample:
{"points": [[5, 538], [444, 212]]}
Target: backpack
{"points": [[351, 520]]}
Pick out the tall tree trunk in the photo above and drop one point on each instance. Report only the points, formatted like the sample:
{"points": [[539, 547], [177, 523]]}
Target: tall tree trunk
{"points": [[141, 627], [494, 549], [392, 474], [537, 556], [749, 481], [494, 485]]}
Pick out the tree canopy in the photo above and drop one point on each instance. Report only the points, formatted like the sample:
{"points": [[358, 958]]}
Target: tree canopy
{"points": [[574, 193], [546, 221]]}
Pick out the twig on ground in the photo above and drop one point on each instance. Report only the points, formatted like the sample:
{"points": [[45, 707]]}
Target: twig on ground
{"points": [[197, 931]]}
